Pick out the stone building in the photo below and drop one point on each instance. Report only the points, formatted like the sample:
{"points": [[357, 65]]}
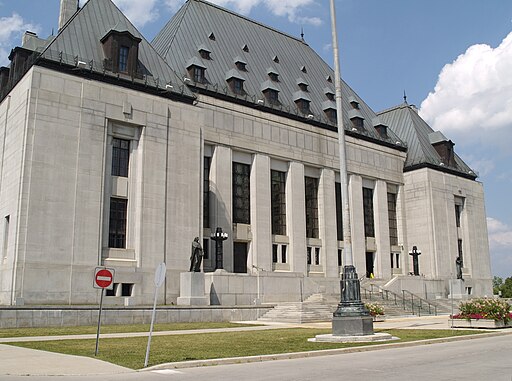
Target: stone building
{"points": [[117, 152]]}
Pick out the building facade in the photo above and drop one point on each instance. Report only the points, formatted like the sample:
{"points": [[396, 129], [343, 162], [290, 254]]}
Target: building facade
{"points": [[117, 152]]}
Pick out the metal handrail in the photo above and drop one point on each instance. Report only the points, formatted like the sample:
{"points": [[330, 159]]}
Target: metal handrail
{"points": [[408, 300]]}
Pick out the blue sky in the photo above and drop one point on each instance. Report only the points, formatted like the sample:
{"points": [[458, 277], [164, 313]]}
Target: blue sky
{"points": [[453, 58]]}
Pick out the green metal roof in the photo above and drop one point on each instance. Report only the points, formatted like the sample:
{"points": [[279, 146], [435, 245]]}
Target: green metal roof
{"points": [[419, 136], [80, 40], [265, 50]]}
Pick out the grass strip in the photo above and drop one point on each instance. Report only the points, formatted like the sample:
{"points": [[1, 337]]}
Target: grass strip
{"points": [[130, 352], [83, 330]]}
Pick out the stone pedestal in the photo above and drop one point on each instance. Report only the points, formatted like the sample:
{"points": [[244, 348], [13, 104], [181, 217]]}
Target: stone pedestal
{"points": [[352, 325], [457, 289], [192, 290]]}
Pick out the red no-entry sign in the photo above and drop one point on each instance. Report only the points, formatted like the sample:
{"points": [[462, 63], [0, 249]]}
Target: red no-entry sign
{"points": [[103, 278]]}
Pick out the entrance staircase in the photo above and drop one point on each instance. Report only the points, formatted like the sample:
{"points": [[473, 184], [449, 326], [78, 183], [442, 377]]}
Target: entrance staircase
{"points": [[320, 307]]}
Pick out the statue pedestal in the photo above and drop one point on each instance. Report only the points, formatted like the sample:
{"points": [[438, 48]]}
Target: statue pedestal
{"points": [[352, 325], [192, 290], [457, 289]]}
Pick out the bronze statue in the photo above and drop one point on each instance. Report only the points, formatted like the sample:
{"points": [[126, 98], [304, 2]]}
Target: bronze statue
{"points": [[196, 256], [458, 264]]}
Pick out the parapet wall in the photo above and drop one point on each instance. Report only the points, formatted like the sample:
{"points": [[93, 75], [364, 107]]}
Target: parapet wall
{"points": [[22, 317]]}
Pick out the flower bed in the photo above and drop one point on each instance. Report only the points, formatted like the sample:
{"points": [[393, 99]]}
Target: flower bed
{"points": [[376, 311], [483, 313]]}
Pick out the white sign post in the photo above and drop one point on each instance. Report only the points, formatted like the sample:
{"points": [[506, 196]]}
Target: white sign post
{"points": [[159, 280], [103, 279]]}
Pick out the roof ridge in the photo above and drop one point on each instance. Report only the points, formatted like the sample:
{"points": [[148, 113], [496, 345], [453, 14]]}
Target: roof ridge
{"points": [[247, 19]]}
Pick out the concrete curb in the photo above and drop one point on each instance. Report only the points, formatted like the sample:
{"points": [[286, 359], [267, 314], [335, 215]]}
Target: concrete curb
{"points": [[327, 352]]}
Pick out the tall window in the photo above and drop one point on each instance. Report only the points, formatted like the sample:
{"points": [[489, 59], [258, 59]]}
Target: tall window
{"points": [[311, 191], [458, 212], [278, 202], [237, 85], [206, 192], [339, 212], [6, 235], [198, 74], [117, 223], [120, 157], [393, 226], [123, 58], [459, 247], [241, 193], [369, 228]]}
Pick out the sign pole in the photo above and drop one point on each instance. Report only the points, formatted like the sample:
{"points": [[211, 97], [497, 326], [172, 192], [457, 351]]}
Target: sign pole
{"points": [[159, 280], [151, 329], [99, 323]]}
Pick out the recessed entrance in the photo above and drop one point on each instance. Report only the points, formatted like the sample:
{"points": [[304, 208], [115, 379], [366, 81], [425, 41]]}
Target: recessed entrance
{"points": [[240, 257], [370, 259]]}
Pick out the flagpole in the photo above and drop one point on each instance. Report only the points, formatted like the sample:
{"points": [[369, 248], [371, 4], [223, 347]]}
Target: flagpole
{"points": [[351, 317]]}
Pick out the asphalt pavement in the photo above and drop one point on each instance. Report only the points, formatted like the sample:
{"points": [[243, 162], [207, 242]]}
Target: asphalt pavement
{"points": [[17, 361]]}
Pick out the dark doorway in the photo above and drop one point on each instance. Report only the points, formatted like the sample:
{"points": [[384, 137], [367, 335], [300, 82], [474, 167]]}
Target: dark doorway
{"points": [[370, 258], [240, 257]]}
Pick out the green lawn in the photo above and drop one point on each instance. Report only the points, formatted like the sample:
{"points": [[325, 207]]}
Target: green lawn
{"points": [[59, 331], [130, 352]]}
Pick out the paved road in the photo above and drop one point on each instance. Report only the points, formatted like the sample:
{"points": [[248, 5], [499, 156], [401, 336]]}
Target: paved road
{"points": [[477, 359]]}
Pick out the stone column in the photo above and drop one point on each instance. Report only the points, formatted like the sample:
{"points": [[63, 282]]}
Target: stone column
{"points": [[355, 190], [221, 202], [327, 222], [260, 254], [296, 217], [380, 207]]}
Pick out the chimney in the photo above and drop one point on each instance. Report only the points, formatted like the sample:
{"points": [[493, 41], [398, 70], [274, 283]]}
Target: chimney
{"points": [[27, 37], [67, 10]]}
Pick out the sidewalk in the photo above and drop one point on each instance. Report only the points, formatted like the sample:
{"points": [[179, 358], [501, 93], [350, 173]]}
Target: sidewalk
{"points": [[23, 361]]}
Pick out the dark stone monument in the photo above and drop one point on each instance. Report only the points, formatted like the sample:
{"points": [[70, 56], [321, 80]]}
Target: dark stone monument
{"points": [[351, 318], [196, 256], [458, 264], [415, 263]]}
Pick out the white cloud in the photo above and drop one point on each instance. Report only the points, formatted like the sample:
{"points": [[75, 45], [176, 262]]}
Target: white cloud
{"points": [[500, 243], [290, 9], [174, 5], [500, 234], [11, 28], [139, 12], [473, 96]]}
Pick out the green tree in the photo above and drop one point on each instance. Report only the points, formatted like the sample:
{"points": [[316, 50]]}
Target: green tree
{"points": [[506, 288], [497, 282]]}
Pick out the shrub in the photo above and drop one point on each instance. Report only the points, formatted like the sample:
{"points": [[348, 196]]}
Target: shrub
{"points": [[493, 309], [374, 309]]}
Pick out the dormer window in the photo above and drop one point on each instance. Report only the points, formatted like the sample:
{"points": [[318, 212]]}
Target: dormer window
{"points": [[381, 129], [272, 96], [237, 86], [271, 92], [354, 103], [196, 70], [235, 81], [331, 114], [303, 105], [329, 79], [276, 59], [357, 123], [240, 64], [273, 75], [443, 147], [329, 94], [121, 50], [303, 85], [204, 53]]}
